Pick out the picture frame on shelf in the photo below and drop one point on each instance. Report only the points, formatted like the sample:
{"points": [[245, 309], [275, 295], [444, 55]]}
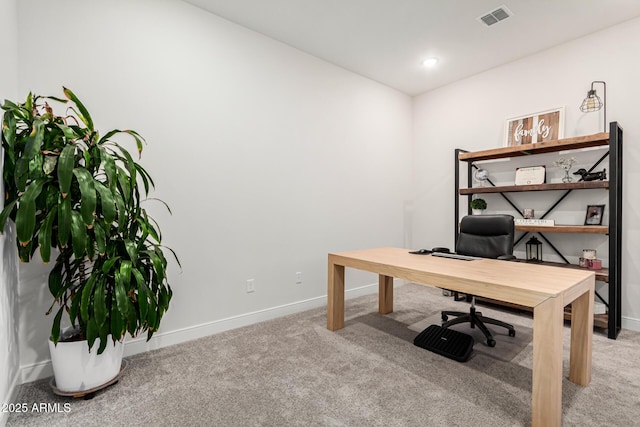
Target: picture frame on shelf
{"points": [[532, 175], [594, 215], [534, 128]]}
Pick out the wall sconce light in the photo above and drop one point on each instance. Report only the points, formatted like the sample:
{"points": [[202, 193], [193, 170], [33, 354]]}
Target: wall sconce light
{"points": [[593, 102]]}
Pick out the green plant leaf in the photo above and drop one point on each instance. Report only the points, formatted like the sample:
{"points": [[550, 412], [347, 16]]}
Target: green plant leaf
{"points": [[34, 141], [90, 249], [55, 328], [92, 331], [26, 215], [107, 203], [143, 294], [151, 316], [109, 166], [49, 164], [64, 221], [125, 273], [121, 294], [73, 312], [146, 179], [87, 293], [83, 114], [6, 213], [25, 251], [88, 193], [44, 236], [100, 304], [28, 104], [132, 318], [55, 281], [21, 174], [117, 323], [9, 125], [108, 264], [68, 132], [122, 212], [132, 250], [124, 183], [158, 266], [78, 235], [100, 238], [65, 168], [138, 138]]}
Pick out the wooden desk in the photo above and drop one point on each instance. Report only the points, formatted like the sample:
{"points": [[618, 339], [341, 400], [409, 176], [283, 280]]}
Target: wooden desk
{"points": [[547, 290]]}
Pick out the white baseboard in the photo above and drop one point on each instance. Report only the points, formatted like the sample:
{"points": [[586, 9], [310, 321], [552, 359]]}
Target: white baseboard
{"points": [[631, 324], [12, 396], [138, 345]]}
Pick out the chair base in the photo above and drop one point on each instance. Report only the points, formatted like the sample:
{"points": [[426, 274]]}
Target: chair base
{"points": [[476, 319]]}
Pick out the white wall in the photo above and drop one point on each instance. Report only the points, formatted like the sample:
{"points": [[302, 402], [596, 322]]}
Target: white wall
{"points": [[9, 357], [268, 157], [470, 114]]}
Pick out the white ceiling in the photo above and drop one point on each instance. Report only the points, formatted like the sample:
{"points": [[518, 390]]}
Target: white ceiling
{"points": [[386, 40]]}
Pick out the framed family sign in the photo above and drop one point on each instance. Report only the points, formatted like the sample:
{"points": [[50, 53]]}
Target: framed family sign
{"points": [[533, 128]]}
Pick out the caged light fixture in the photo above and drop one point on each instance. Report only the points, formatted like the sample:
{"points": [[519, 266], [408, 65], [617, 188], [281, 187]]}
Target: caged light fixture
{"points": [[593, 102]]}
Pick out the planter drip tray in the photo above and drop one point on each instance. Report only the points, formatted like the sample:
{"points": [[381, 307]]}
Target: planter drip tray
{"points": [[88, 394]]}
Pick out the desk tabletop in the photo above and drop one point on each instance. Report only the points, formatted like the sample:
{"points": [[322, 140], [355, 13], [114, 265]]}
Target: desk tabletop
{"points": [[515, 282]]}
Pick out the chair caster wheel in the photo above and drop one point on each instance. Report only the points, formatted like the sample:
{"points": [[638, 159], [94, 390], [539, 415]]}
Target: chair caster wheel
{"points": [[491, 343], [512, 332], [445, 317]]}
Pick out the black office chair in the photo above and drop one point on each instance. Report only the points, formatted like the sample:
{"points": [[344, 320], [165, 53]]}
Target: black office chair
{"points": [[486, 236]]}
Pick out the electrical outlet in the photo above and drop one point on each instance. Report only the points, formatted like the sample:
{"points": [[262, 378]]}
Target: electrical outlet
{"points": [[251, 285], [298, 278]]}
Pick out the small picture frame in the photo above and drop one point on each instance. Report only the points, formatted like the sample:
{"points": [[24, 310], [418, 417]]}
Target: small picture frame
{"points": [[594, 215]]}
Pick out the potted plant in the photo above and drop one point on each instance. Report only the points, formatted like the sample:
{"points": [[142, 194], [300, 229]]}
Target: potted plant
{"points": [[478, 206], [71, 189]]}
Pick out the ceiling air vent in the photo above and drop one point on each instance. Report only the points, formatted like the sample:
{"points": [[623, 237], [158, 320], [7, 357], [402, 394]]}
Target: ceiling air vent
{"points": [[495, 16]]}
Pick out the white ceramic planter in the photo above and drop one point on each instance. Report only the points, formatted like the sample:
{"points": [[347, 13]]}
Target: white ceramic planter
{"points": [[76, 369], [477, 211]]}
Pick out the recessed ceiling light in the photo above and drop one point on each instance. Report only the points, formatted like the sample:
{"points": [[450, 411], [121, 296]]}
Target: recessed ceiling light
{"points": [[430, 62]]}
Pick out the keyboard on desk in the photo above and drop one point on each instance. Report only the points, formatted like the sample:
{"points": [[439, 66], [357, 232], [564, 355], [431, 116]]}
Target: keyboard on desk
{"points": [[455, 256]]}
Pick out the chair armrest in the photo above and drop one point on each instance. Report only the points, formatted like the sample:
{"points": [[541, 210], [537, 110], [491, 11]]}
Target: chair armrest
{"points": [[506, 257]]}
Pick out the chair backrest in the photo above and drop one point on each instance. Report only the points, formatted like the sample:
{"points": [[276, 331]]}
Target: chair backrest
{"points": [[486, 236]]}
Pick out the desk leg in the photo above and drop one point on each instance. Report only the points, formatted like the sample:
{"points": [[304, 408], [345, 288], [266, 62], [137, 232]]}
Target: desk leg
{"points": [[385, 294], [335, 297], [546, 396], [581, 338]]}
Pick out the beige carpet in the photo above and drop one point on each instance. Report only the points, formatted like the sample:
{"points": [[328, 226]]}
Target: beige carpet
{"points": [[292, 371]]}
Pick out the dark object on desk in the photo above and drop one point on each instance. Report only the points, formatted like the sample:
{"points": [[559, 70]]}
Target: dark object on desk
{"points": [[421, 252], [446, 342], [485, 236], [591, 176], [441, 249], [427, 251]]}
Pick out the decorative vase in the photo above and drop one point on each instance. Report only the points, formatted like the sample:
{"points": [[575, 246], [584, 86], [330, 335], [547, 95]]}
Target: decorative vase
{"points": [[77, 369], [566, 177]]}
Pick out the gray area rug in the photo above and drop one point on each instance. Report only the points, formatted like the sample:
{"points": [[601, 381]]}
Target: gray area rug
{"points": [[292, 371]]}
